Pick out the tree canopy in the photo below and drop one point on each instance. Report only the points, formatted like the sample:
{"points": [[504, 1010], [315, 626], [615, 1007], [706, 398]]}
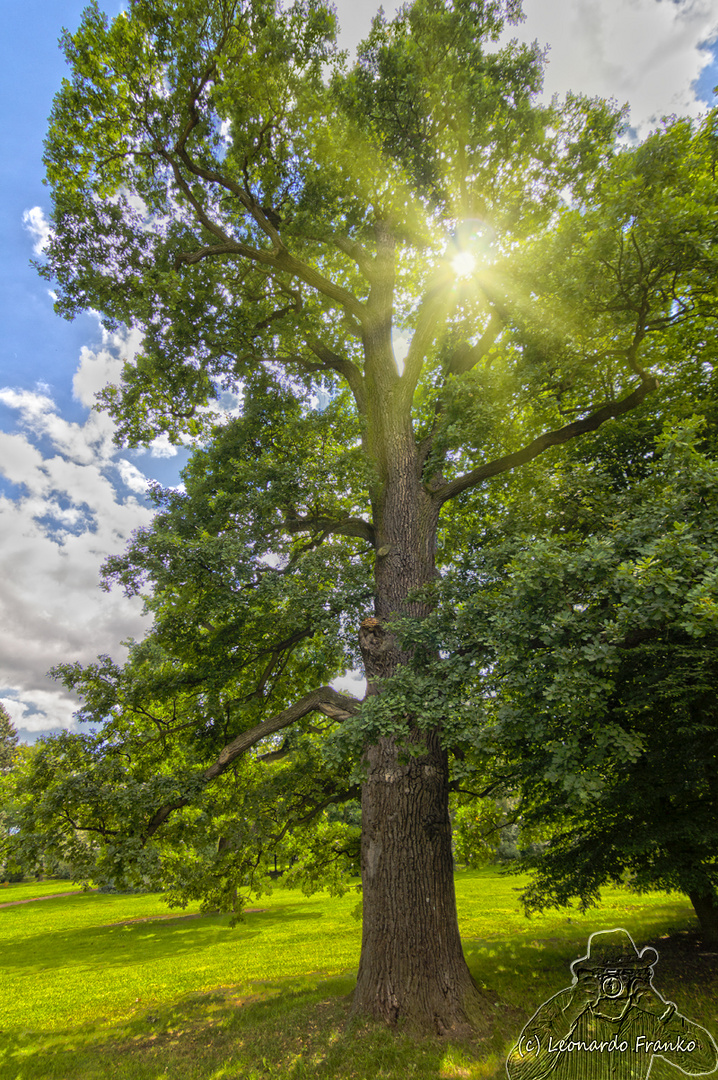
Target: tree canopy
{"points": [[412, 280], [594, 655]]}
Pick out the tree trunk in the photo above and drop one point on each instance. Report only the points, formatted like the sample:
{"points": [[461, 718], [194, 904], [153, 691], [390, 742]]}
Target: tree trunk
{"points": [[705, 906], [412, 965]]}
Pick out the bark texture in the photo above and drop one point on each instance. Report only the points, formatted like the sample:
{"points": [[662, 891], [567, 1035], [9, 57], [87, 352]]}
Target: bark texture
{"points": [[412, 964]]}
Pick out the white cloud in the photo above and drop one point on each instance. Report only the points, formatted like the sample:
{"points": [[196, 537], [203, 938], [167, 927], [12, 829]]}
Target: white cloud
{"points": [[57, 530], [401, 340], [161, 447], [38, 226], [41, 709], [132, 477], [38, 415], [644, 52], [355, 20], [51, 608], [352, 683], [19, 459], [97, 369]]}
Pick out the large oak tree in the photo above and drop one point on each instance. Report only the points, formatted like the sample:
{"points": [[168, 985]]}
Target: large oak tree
{"points": [[277, 223]]}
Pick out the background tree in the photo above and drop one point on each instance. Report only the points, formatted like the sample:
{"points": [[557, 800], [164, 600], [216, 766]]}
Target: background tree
{"points": [[8, 740], [602, 712], [11, 755], [272, 220]]}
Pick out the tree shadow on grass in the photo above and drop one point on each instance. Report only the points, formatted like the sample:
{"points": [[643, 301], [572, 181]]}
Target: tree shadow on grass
{"points": [[154, 939], [525, 970], [295, 1029]]}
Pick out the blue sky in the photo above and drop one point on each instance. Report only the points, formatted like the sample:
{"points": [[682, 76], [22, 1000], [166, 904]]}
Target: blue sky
{"points": [[68, 497]]}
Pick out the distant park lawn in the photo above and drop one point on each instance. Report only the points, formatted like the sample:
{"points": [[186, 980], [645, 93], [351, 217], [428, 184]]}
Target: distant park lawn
{"points": [[99, 985]]}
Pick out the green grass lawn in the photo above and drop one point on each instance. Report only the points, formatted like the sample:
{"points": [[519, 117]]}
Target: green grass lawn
{"points": [[97, 985]]}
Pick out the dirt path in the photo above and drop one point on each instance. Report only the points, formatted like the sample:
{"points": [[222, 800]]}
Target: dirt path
{"points": [[144, 918], [52, 896]]}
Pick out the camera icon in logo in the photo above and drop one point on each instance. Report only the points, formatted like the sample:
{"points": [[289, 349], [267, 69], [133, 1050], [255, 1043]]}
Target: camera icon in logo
{"points": [[612, 985], [615, 969]]}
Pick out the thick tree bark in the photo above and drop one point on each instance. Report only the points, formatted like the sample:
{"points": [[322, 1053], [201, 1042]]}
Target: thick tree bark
{"points": [[412, 966]]}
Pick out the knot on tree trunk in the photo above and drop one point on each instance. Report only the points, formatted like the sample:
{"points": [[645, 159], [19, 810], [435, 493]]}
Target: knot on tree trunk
{"points": [[370, 628], [378, 649], [374, 641]]}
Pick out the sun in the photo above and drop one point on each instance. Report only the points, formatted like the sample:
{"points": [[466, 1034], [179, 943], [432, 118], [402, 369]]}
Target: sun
{"points": [[463, 264]]}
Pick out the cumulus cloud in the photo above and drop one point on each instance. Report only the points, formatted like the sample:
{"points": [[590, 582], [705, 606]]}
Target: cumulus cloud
{"points": [[38, 226], [161, 447], [648, 53], [64, 515], [51, 608], [41, 710], [98, 368], [38, 416], [132, 477]]}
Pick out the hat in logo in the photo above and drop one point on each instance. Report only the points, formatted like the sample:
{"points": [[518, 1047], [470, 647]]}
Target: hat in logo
{"points": [[614, 949]]}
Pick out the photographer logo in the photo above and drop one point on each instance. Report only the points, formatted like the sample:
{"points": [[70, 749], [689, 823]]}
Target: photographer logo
{"points": [[610, 1023]]}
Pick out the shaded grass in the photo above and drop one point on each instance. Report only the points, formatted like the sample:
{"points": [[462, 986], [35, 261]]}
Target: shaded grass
{"points": [[99, 956], [302, 1033], [526, 961], [90, 993]]}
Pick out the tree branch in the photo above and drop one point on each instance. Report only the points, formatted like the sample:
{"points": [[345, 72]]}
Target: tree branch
{"points": [[433, 307], [280, 258], [325, 700], [357, 253], [543, 442], [334, 798], [467, 356], [349, 371], [329, 527]]}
